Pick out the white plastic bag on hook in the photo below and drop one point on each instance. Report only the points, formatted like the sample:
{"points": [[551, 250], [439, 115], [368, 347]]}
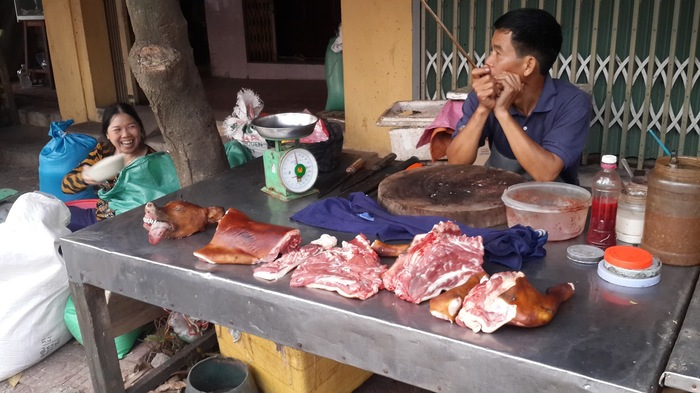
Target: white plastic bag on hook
{"points": [[237, 126]]}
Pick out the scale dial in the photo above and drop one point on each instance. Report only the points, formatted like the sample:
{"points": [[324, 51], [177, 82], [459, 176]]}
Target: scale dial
{"points": [[298, 170]]}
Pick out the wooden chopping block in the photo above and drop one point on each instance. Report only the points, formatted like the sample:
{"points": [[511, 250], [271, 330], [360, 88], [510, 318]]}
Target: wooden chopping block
{"points": [[469, 194]]}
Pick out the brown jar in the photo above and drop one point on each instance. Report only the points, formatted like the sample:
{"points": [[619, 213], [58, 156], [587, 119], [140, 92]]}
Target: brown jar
{"points": [[672, 215]]}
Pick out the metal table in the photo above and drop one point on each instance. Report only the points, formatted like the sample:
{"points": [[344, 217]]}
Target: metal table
{"points": [[683, 368], [606, 338]]}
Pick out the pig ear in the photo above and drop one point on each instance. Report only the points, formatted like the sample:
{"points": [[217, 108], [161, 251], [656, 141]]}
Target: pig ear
{"points": [[215, 213]]}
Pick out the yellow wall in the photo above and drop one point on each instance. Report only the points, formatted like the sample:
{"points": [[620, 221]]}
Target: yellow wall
{"points": [[376, 67], [80, 57]]}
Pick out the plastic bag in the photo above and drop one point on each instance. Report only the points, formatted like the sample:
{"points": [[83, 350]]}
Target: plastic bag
{"points": [[60, 155], [319, 133], [334, 74], [33, 283], [145, 179], [236, 153], [124, 343], [237, 126]]}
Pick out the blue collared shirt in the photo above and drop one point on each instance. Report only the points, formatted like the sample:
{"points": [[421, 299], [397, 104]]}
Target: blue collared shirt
{"points": [[559, 123]]}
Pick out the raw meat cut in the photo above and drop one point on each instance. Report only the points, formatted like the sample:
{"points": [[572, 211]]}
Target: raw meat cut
{"points": [[447, 304], [178, 219], [508, 298], [353, 270], [284, 264], [437, 261], [240, 240]]}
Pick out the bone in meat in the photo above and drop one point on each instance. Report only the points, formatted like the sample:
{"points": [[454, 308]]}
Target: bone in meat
{"points": [[508, 298], [353, 270], [240, 240], [285, 263], [178, 219], [435, 262]]}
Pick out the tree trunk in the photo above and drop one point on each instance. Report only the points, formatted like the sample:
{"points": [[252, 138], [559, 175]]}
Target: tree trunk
{"points": [[163, 65]]}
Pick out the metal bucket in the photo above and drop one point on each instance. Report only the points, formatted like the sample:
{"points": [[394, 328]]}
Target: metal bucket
{"points": [[220, 375]]}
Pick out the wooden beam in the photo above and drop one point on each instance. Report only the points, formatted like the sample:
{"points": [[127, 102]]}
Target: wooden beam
{"points": [[7, 98]]}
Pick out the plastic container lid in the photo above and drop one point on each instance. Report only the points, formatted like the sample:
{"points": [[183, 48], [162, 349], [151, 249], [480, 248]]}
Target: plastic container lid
{"points": [[609, 159], [628, 257], [583, 253], [613, 278]]}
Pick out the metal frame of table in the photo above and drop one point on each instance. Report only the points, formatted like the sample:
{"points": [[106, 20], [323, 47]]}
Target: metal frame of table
{"points": [[683, 368], [605, 338]]}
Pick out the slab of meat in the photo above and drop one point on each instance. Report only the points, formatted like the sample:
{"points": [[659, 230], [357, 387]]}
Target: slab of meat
{"points": [[508, 298], [353, 270], [435, 262], [240, 240], [178, 219], [284, 264]]}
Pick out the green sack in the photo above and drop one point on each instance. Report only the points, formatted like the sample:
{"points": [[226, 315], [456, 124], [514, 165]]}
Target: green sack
{"points": [[236, 153], [124, 343], [145, 179], [334, 79]]}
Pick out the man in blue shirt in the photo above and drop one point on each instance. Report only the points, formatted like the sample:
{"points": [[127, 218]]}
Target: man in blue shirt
{"points": [[536, 126]]}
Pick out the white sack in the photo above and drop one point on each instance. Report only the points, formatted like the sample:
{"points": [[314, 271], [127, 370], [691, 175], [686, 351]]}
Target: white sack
{"points": [[33, 282]]}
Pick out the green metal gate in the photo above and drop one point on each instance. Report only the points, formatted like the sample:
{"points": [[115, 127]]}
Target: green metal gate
{"points": [[640, 57]]}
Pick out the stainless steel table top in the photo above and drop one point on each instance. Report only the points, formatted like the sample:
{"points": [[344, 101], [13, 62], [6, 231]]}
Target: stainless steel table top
{"points": [[605, 338]]}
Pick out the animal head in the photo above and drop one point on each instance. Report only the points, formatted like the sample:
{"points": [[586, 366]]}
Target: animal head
{"points": [[178, 219]]}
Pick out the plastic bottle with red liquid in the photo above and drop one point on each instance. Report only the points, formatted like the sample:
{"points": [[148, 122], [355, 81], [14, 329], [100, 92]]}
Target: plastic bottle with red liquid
{"points": [[605, 190]]}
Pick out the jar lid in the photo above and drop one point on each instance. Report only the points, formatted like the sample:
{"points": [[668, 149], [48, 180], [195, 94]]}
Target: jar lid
{"points": [[628, 257], [583, 253]]}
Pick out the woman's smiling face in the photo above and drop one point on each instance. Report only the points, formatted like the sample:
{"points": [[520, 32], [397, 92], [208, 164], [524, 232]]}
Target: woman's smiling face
{"points": [[124, 133]]}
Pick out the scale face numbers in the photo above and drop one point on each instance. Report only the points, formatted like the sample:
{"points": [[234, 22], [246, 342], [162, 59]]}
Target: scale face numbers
{"points": [[298, 170]]}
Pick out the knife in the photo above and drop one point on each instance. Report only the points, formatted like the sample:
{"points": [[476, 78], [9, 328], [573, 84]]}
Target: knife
{"points": [[377, 167], [372, 187], [349, 171]]}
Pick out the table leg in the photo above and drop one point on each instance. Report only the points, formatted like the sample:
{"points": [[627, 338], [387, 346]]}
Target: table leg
{"points": [[98, 340]]}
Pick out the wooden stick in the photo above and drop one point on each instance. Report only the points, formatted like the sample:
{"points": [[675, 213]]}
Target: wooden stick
{"points": [[449, 34]]}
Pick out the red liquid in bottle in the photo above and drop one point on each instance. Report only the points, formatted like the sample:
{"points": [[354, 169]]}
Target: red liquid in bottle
{"points": [[601, 230]]}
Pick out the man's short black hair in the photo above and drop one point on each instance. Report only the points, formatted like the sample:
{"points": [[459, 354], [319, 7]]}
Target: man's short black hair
{"points": [[535, 32]]}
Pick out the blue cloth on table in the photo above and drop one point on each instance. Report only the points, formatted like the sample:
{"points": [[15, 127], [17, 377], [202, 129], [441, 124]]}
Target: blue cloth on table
{"points": [[361, 214]]}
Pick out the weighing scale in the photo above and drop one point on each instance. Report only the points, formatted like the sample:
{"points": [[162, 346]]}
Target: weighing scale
{"points": [[290, 171]]}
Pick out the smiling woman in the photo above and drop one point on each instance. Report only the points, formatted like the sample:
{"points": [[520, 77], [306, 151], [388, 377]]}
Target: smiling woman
{"points": [[124, 135]]}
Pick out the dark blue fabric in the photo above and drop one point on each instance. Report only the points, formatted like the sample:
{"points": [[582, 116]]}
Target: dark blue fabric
{"points": [[361, 214], [81, 218]]}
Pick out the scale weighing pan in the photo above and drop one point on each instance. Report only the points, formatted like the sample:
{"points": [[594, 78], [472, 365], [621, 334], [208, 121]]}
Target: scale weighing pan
{"points": [[284, 126]]}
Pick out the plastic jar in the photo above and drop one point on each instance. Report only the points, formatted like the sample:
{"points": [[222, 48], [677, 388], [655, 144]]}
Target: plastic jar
{"points": [[672, 216], [629, 225]]}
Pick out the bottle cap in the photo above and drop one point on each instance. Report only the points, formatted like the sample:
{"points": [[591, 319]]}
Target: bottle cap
{"points": [[609, 159], [628, 257]]}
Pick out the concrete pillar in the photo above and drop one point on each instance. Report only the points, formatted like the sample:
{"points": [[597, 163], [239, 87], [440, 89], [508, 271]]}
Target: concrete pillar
{"points": [[377, 61], [80, 55]]}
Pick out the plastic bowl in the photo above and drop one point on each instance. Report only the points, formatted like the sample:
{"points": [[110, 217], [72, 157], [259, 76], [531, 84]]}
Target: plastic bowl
{"points": [[559, 208]]}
